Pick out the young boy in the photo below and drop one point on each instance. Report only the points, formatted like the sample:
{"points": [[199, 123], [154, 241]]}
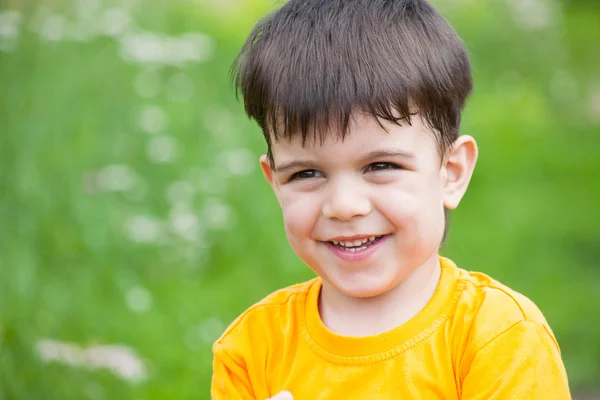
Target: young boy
{"points": [[360, 104]]}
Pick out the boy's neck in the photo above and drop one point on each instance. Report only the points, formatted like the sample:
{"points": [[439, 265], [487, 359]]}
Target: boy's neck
{"points": [[350, 316]]}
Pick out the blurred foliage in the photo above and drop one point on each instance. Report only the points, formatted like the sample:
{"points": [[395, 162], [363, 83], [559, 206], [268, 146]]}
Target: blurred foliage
{"points": [[133, 213]]}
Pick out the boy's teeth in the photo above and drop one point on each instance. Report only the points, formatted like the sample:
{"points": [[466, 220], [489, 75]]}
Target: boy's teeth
{"points": [[353, 245], [355, 249]]}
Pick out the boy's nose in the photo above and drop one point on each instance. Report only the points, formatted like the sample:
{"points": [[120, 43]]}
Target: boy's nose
{"points": [[346, 201]]}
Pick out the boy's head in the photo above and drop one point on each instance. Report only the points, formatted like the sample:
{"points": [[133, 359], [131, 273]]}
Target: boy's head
{"points": [[360, 104], [311, 63]]}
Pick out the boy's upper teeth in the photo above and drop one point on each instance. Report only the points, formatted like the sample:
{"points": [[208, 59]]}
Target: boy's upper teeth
{"points": [[354, 243]]}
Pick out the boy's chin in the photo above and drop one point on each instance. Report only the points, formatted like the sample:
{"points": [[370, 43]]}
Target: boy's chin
{"points": [[362, 289]]}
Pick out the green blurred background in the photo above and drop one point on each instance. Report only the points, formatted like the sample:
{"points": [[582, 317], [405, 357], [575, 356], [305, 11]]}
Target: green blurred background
{"points": [[135, 224]]}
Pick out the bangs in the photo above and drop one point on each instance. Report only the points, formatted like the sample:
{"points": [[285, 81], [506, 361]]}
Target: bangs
{"points": [[306, 68]]}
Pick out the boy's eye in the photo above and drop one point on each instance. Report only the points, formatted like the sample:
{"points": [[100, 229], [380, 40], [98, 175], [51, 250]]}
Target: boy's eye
{"points": [[306, 174], [382, 166]]}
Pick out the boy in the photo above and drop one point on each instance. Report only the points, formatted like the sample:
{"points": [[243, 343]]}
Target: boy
{"points": [[360, 104]]}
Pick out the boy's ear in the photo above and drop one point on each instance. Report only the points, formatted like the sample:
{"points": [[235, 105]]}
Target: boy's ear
{"points": [[269, 173], [458, 169]]}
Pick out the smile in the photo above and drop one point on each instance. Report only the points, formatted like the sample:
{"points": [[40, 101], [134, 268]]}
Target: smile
{"points": [[358, 249], [356, 245]]}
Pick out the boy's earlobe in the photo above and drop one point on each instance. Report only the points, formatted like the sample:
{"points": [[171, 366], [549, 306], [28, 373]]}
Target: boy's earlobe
{"points": [[459, 167]]}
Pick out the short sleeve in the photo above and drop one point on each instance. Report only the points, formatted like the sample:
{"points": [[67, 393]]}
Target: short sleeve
{"points": [[230, 379], [523, 362]]}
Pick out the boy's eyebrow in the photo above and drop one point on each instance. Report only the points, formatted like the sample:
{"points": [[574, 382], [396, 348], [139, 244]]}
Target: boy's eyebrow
{"points": [[369, 156], [293, 165], [389, 154]]}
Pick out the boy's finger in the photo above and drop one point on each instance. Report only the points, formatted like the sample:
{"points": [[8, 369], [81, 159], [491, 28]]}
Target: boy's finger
{"points": [[285, 395]]}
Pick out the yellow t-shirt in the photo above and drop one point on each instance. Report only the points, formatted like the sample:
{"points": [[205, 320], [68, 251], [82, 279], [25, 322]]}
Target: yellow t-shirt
{"points": [[475, 339]]}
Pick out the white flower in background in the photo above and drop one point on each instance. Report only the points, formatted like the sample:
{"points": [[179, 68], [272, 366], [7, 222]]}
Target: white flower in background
{"points": [[534, 14], [217, 215], [239, 161], [147, 83], [143, 229], [162, 149], [180, 87], [115, 21], [184, 223], [181, 192], [52, 27], [138, 299], [197, 46], [142, 47], [594, 104], [116, 178], [152, 48], [9, 29], [120, 360], [152, 119], [9, 24], [66, 353]]}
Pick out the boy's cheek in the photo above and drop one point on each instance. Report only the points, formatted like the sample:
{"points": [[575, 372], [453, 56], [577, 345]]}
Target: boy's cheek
{"points": [[410, 201], [414, 214], [290, 199], [299, 216], [400, 208]]}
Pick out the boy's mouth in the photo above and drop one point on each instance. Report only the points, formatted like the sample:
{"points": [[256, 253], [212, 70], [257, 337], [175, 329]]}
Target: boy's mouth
{"points": [[356, 245]]}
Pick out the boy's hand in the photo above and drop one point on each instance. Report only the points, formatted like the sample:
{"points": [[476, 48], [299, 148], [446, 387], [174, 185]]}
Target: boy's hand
{"points": [[285, 395]]}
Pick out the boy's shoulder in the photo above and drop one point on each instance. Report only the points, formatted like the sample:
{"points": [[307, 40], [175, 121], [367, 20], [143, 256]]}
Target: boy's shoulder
{"points": [[488, 308], [491, 295], [278, 308]]}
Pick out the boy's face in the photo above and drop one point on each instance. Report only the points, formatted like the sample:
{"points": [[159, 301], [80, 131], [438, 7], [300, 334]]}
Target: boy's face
{"points": [[391, 186]]}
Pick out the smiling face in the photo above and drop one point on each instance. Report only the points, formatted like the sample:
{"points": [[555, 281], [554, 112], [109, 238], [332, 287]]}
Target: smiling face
{"points": [[366, 211]]}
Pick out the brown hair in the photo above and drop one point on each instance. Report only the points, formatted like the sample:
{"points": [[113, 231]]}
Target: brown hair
{"points": [[307, 66]]}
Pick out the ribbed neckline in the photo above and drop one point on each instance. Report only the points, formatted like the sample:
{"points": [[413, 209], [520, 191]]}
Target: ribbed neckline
{"points": [[370, 349]]}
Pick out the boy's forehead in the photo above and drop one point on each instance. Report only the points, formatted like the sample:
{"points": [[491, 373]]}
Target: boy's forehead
{"points": [[364, 136]]}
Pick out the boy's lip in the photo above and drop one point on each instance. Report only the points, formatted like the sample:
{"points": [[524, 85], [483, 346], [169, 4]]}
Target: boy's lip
{"points": [[360, 255], [355, 237]]}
